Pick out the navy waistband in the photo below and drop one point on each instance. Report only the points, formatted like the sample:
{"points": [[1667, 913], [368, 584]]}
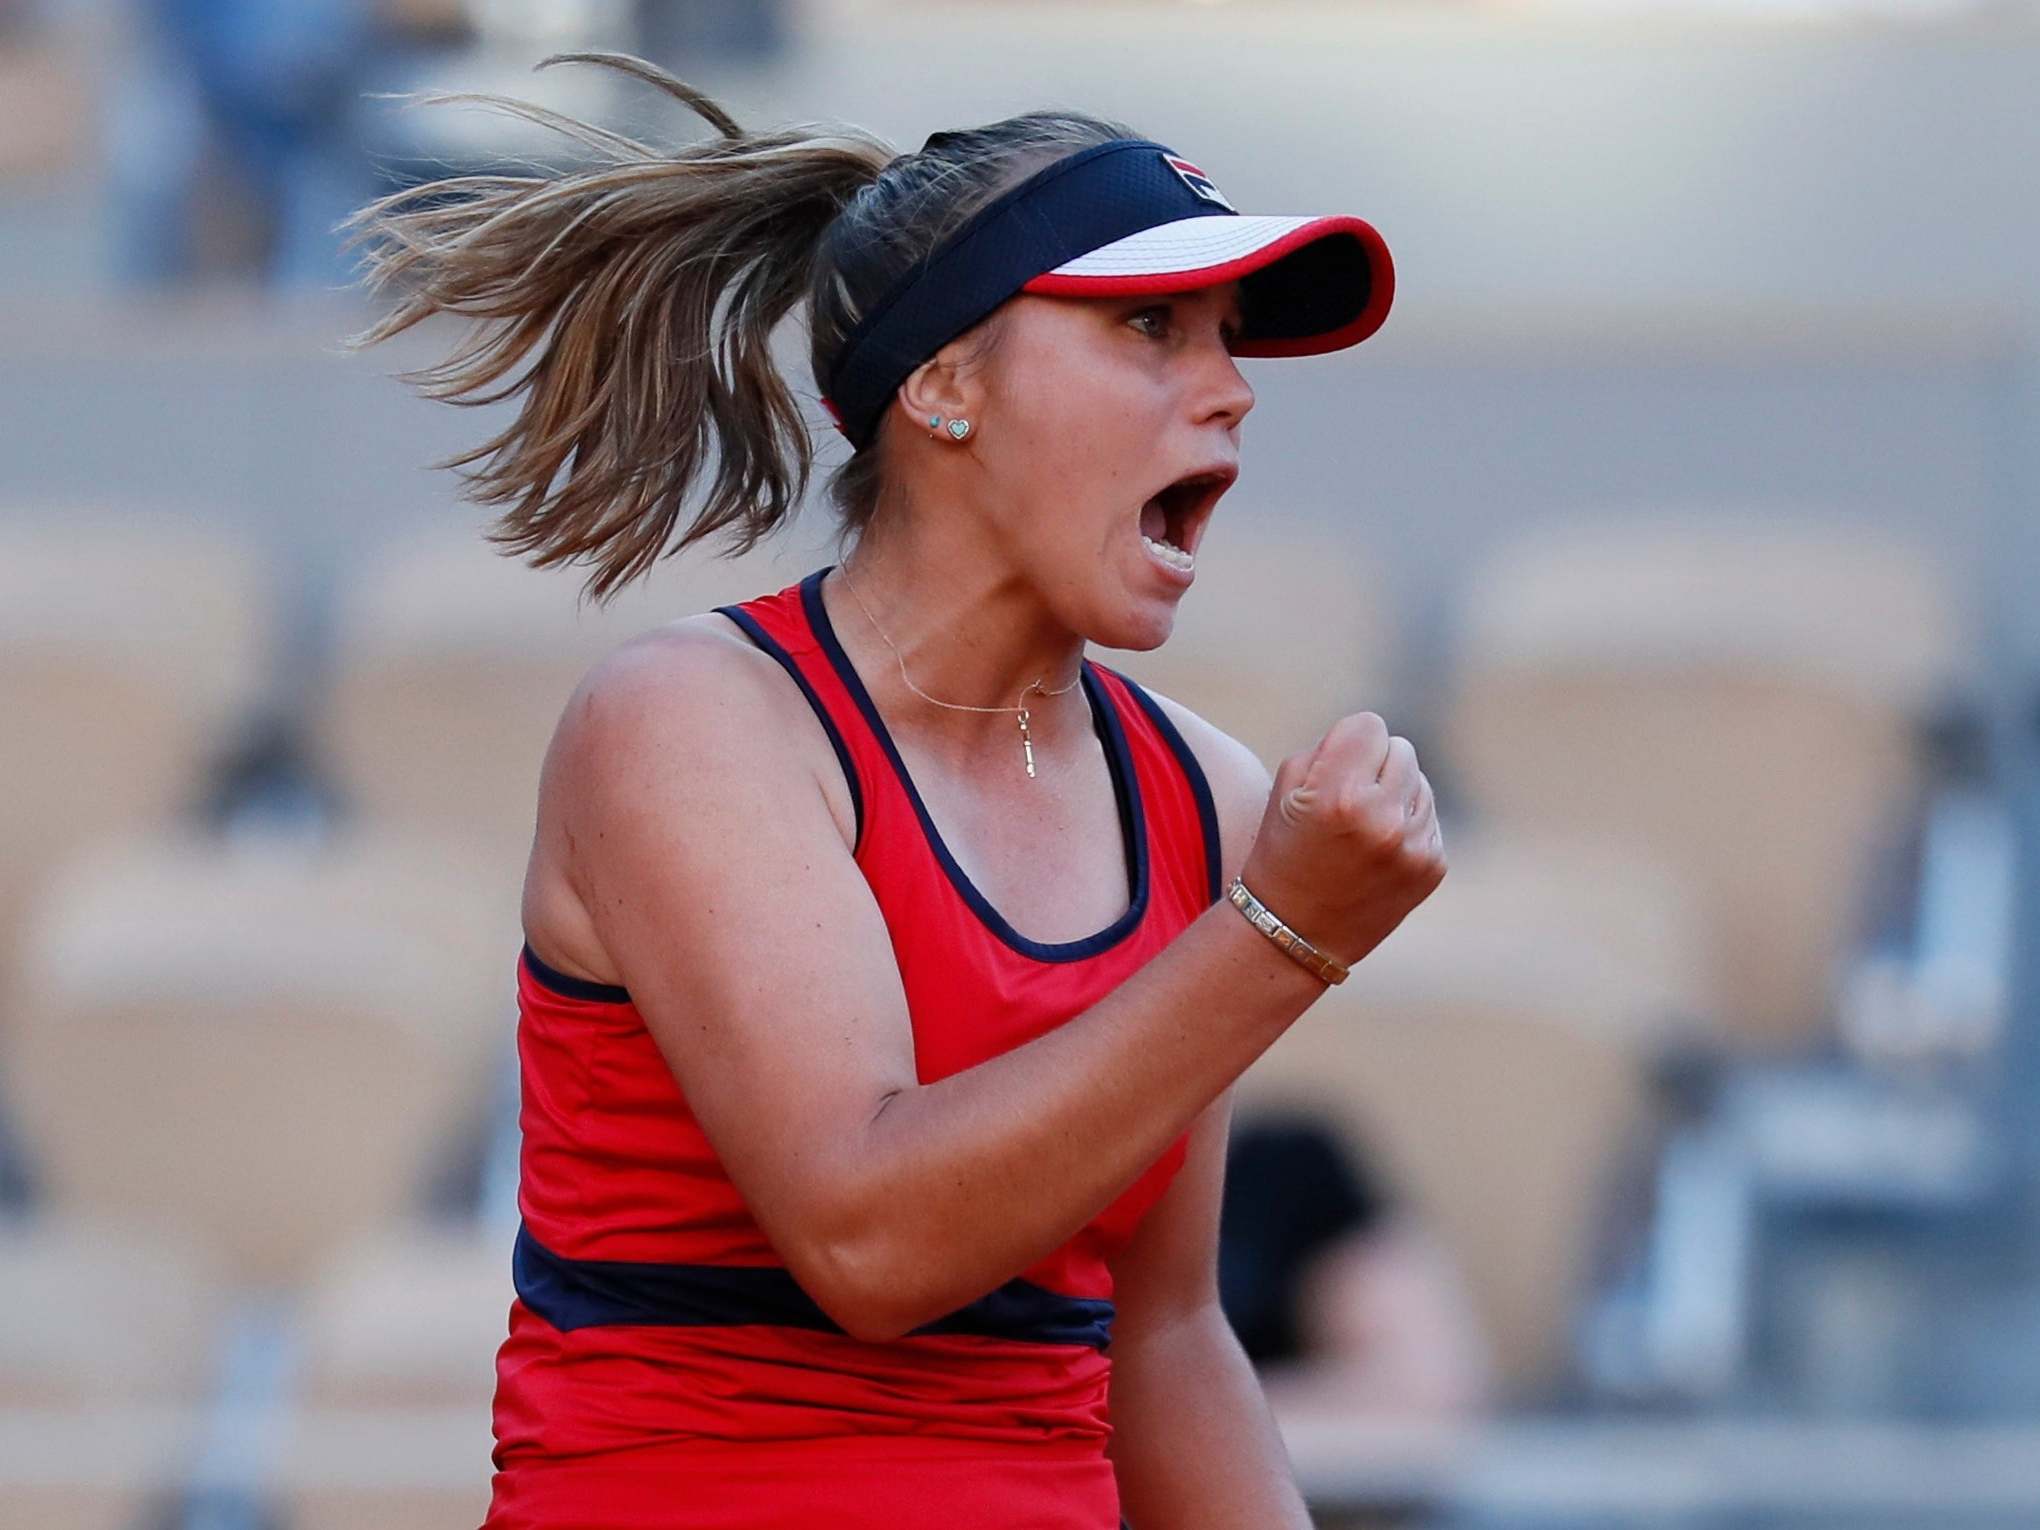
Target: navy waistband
{"points": [[589, 1293]]}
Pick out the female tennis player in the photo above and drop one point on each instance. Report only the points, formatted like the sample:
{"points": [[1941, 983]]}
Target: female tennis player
{"points": [[887, 961]]}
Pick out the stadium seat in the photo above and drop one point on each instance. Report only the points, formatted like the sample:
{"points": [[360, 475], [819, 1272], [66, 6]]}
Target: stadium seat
{"points": [[102, 1372], [256, 1046], [409, 1319], [452, 663], [120, 1319], [400, 1340], [1286, 630], [1739, 696], [1493, 1056], [134, 642]]}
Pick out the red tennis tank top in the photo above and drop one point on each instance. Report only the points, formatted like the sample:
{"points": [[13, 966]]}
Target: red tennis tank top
{"points": [[662, 1367]]}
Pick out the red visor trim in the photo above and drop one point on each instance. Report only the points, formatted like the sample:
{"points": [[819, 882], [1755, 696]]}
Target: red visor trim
{"points": [[1370, 318]]}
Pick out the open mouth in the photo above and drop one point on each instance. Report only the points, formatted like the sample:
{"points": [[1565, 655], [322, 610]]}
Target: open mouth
{"points": [[1172, 522]]}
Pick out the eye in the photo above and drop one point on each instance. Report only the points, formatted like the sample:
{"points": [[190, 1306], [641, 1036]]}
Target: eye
{"points": [[1162, 310], [1229, 333]]}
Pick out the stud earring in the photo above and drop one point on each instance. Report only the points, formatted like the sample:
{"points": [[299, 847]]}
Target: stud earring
{"points": [[958, 429]]}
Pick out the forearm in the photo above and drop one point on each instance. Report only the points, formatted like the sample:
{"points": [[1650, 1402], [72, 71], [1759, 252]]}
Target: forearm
{"points": [[1193, 1442], [964, 1182]]}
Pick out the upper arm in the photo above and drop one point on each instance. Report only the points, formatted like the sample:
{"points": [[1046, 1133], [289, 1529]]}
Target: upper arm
{"points": [[718, 882], [1169, 1268], [1239, 782], [1171, 1264]]}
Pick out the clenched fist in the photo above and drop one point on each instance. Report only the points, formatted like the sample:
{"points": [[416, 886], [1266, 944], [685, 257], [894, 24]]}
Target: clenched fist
{"points": [[1350, 841]]}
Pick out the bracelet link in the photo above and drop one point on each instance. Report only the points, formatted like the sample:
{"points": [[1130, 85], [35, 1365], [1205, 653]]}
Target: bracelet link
{"points": [[1264, 919]]}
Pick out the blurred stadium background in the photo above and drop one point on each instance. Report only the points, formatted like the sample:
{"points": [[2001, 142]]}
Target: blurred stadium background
{"points": [[1684, 514]]}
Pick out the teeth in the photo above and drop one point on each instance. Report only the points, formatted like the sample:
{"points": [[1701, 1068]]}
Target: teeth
{"points": [[1169, 553]]}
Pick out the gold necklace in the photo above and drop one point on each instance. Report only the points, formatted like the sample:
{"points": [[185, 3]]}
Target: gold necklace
{"points": [[1026, 742]]}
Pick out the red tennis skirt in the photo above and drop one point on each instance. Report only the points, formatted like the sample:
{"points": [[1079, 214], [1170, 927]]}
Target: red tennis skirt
{"points": [[841, 1484]]}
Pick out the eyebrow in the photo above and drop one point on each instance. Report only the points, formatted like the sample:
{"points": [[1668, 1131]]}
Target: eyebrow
{"points": [[1236, 311]]}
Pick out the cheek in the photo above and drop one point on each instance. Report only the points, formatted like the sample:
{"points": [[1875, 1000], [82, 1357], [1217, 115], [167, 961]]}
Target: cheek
{"points": [[1073, 388], [1092, 440], [1079, 443], [1071, 532], [1073, 462], [1063, 409]]}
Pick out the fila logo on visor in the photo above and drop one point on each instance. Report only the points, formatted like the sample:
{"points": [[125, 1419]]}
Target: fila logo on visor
{"points": [[1197, 181]]}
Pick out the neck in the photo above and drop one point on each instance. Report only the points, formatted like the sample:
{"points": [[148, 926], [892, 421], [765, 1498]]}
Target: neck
{"points": [[967, 631]]}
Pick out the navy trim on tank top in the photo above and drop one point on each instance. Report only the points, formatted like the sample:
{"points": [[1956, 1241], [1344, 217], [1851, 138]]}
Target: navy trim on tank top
{"points": [[592, 1293], [1207, 810], [569, 985], [764, 640], [1125, 784]]}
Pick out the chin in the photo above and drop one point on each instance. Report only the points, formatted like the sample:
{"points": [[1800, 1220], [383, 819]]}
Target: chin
{"points": [[1138, 624]]}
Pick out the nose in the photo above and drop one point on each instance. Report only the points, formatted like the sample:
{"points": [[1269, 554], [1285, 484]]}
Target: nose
{"points": [[1230, 393]]}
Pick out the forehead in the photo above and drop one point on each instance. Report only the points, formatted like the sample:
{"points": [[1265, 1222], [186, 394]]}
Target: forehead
{"points": [[1226, 297], [1223, 297], [1230, 295]]}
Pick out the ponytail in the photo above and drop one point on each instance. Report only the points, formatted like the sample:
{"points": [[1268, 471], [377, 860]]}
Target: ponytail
{"points": [[615, 274], [612, 273]]}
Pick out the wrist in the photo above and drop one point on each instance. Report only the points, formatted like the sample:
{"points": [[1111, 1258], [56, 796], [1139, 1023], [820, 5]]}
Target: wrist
{"points": [[1271, 986], [1266, 922]]}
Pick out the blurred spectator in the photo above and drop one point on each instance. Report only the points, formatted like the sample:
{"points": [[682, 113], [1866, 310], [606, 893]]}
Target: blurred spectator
{"points": [[236, 128], [745, 30], [238, 138], [1338, 1294], [42, 83]]}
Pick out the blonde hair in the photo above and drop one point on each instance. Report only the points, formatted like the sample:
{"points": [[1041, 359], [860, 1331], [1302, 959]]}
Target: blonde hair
{"points": [[649, 282]]}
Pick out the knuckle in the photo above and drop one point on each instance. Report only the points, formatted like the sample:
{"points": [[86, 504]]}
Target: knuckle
{"points": [[1384, 825], [1361, 726], [1352, 804]]}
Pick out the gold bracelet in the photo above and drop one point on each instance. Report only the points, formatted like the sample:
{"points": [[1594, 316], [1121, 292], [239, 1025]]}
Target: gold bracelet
{"points": [[1261, 918]]}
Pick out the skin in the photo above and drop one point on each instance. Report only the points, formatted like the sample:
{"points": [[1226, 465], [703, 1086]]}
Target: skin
{"points": [[693, 844]]}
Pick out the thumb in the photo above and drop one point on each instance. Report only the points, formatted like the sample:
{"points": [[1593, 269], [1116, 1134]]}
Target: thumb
{"points": [[1289, 791]]}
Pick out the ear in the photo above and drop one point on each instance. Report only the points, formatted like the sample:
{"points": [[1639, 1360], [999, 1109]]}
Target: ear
{"points": [[941, 386]]}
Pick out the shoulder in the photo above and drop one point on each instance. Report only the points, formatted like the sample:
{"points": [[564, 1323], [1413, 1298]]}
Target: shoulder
{"points": [[681, 744], [697, 670], [695, 662], [693, 699], [1239, 780]]}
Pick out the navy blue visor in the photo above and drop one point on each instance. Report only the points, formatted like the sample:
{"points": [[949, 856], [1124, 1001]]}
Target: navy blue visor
{"points": [[1122, 218]]}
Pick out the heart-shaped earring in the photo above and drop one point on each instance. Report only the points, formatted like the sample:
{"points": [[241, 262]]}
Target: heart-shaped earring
{"points": [[958, 429]]}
